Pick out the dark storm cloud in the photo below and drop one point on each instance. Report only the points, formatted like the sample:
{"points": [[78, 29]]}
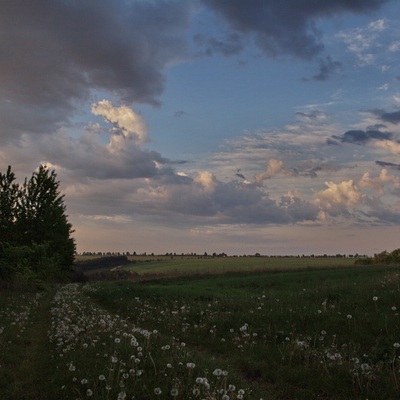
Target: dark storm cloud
{"points": [[361, 137], [287, 26], [54, 52]]}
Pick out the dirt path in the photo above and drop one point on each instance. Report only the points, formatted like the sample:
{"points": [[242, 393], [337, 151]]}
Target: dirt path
{"points": [[31, 374]]}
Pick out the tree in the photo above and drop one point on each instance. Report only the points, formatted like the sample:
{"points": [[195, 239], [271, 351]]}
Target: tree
{"points": [[35, 232], [9, 194], [42, 218]]}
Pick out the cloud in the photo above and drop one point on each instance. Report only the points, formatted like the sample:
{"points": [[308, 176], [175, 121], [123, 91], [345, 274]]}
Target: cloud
{"points": [[364, 42], [274, 167], [392, 117], [327, 67], [286, 27], [379, 182], [389, 145], [388, 164], [362, 137], [338, 197], [55, 53], [127, 123]]}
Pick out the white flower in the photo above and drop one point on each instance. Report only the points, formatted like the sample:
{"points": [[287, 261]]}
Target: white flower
{"points": [[375, 298], [349, 316], [102, 378], [190, 365], [157, 391], [217, 372], [174, 392], [89, 393], [121, 396]]}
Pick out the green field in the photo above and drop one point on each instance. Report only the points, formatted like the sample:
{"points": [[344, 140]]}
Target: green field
{"points": [[292, 334], [199, 265]]}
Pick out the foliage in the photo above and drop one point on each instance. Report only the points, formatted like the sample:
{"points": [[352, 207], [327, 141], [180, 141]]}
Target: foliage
{"points": [[381, 258], [34, 229]]}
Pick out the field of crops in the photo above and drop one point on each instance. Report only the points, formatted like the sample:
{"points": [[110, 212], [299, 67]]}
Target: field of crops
{"points": [[308, 334]]}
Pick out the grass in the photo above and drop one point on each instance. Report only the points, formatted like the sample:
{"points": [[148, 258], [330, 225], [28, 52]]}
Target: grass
{"points": [[212, 265], [328, 334]]}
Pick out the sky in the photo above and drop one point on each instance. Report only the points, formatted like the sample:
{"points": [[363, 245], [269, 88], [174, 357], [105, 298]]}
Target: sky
{"points": [[233, 126]]}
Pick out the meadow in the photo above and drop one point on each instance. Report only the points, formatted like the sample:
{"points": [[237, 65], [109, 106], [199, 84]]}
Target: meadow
{"points": [[297, 333]]}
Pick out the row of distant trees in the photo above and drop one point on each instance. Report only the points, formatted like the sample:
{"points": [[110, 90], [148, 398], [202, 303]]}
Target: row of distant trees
{"points": [[35, 235]]}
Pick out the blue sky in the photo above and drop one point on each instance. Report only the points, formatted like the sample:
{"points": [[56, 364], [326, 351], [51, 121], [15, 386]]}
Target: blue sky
{"points": [[209, 125]]}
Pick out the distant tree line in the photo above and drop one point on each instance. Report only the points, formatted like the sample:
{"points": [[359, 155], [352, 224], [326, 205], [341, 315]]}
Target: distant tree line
{"points": [[35, 235]]}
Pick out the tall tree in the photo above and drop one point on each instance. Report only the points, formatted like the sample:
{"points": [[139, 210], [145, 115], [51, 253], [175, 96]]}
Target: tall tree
{"points": [[42, 219]]}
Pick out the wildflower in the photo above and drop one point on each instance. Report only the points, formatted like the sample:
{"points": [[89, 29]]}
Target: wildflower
{"points": [[217, 372], [72, 367], [102, 378], [121, 396], [84, 381], [323, 332], [394, 308], [196, 392], [190, 365], [396, 345], [89, 393], [225, 397], [157, 391], [375, 298], [174, 392], [349, 316], [117, 340]]}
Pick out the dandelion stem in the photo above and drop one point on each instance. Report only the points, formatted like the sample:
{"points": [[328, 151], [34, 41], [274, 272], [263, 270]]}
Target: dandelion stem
{"points": [[154, 365]]}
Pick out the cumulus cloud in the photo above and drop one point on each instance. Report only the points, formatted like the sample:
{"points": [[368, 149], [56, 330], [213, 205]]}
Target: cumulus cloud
{"points": [[378, 183], [338, 196], [127, 123], [274, 167]]}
